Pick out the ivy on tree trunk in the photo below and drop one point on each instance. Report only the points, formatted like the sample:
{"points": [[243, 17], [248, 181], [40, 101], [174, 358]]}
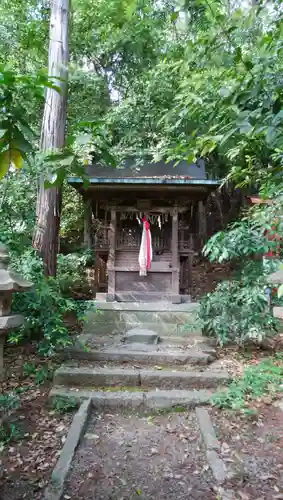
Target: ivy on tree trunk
{"points": [[49, 201]]}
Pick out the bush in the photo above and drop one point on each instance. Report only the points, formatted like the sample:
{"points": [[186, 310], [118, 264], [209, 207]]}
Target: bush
{"points": [[257, 381], [71, 273], [45, 307], [238, 310]]}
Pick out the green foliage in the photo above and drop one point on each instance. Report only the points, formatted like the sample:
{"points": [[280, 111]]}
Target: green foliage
{"points": [[238, 310], [63, 405], [71, 270], [16, 134], [40, 374], [240, 240], [9, 431], [44, 308], [230, 96], [9, 402], [257, 381]]}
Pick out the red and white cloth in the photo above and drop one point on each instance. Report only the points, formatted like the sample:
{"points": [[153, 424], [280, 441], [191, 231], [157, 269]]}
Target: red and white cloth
{"points": [[145, 255]]}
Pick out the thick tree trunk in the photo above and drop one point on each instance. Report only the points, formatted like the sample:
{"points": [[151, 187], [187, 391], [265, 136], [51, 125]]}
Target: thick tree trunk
{"points": [[46, 238]]}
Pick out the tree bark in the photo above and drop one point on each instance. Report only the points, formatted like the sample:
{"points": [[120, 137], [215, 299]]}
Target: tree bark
{"points": [[49, 201]]}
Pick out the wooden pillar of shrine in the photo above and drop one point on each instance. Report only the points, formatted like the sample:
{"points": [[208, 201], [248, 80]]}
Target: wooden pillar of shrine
{"points": [[175, 259], [202, 229], [111, 257], [88, 243]]}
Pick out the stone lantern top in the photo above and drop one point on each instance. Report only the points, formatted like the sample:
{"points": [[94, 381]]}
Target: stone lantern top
{"points": [[9, 280], [276, 278]]}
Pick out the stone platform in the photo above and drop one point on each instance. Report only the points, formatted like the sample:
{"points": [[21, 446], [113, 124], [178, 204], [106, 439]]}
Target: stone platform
{"points": [[108, 318]]}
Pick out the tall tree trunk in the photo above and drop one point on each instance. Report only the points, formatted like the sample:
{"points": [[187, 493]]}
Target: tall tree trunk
{"points": [[46, 237]]}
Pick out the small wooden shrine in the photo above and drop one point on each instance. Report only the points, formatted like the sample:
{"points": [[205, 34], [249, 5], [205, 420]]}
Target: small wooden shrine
{"points": [[144, 222]]}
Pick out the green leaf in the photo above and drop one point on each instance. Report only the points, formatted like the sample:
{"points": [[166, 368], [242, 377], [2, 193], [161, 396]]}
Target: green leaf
{"points": [[238, 54], [174, 16], [245, 128], [248, 64], [280, 291], [83, 139], [17, 158], [270, 135], [108, 158], [4, 163], [2, 133], [224, 92], [67, 161], [130, 8], [56, 180]]}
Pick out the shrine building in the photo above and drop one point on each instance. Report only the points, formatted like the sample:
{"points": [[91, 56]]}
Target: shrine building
{"points": [[145, 222]]}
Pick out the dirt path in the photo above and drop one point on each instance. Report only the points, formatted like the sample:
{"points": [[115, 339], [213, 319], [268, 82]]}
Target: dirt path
{"points": [[129, 457]]}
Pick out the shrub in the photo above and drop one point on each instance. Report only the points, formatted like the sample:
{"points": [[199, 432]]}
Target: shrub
{"points": [[238, 310], [71, 271], [257, 381], [44, 308]]}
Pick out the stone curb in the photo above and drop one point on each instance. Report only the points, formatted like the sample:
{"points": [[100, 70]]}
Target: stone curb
{"points": [[137, 400], [212, 445], [55, 490]]}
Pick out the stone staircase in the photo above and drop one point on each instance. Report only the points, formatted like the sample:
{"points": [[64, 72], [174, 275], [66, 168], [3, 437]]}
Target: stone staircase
{"points": [[140, 356]]}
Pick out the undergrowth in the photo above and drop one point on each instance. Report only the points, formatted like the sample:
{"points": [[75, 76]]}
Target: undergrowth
{"points": [[258, 381], [238, 310], [61, 404], [46, 306]]}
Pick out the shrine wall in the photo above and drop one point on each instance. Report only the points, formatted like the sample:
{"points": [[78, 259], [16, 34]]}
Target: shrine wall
{"points": [[153, 282]]}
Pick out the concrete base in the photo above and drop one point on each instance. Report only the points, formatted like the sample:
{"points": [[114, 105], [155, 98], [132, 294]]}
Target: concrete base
{"points": [[164, 319]]}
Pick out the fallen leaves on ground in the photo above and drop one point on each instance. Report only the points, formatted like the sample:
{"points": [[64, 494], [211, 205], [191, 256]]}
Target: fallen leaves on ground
{"points": [[26, 463]]}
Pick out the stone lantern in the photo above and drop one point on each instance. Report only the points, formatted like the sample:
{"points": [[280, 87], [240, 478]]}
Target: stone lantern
{"points": [[9, 282], [277, 279]]}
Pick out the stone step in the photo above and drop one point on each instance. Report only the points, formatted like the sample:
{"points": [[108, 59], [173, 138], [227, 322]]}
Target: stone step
{"points": [[141, 401], [95, 340], [162, 329], [145, 355], [87, 376]]}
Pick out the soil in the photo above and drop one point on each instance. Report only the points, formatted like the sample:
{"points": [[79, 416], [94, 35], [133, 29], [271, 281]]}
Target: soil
{"points": [[206, 276], [128, 457], [254, 444], [26, 462]]}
